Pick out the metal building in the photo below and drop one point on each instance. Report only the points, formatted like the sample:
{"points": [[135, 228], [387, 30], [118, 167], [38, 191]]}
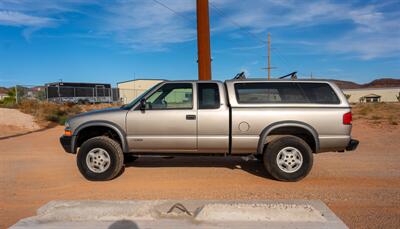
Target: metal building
{"points": [[371, 95], [129, 90]]}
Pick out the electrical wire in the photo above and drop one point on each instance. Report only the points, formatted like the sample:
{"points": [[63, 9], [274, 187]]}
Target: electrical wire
{"points": [[222, 14], [174, 11], [255, 36]]}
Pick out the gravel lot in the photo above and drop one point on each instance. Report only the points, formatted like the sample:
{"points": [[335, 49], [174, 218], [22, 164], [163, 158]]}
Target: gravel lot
{"points": [[361, 187]]}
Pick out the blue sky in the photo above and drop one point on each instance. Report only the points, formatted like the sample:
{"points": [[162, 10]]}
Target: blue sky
{"points": [[111, 41]]}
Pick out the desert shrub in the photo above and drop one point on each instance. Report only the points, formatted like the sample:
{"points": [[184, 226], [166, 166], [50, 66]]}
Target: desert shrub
{"points": [[9, 102], [375, 117], [45, 111]]}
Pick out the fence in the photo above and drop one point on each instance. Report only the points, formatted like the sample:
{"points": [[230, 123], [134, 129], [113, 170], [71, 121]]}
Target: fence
{"points": [[80, 95]]}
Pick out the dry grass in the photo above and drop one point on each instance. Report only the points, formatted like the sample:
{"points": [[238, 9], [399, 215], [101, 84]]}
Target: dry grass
{"points": [[374, 113], [378, 113], [56, 113]]}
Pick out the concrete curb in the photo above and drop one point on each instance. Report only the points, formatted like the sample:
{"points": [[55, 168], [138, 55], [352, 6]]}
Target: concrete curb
{"points": [[186, 214]]}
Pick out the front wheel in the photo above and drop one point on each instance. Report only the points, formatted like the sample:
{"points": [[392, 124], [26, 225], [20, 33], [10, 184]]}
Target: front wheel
{"points": [[100, 159], [288, 158]]}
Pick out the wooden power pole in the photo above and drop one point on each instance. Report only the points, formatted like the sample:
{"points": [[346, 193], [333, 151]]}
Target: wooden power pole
{"points": [[269, 56], [203, 40], [268, 68]]}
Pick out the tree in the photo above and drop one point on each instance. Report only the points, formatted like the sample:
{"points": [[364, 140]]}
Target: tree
{"points": [[398, 97], [10, 99]]}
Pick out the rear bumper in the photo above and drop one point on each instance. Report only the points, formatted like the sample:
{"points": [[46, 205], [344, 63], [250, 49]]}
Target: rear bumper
{"points": [[353, 144], [66, 142]]}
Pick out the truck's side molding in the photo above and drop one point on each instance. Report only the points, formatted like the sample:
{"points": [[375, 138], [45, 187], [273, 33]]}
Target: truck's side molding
{"points": [[102, 123], [289, 123]]}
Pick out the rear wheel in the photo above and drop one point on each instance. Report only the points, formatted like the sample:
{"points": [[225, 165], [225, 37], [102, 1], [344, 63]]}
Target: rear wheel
{"points": [[100, 159], [288, 158]]}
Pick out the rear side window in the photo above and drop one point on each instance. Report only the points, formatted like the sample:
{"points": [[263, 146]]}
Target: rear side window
{"points": [[208, 96], [258, 93], [320, 93]]}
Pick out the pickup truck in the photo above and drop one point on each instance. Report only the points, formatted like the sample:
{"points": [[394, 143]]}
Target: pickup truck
{"points": [[282, 123]]}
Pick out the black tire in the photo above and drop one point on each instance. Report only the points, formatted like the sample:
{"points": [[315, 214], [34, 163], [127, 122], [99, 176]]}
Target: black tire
{"points": [[259, 157], [115, 154], [272, 151]]}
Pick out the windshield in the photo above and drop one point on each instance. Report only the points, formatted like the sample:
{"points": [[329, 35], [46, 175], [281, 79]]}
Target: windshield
{"points": [[133, 102]]}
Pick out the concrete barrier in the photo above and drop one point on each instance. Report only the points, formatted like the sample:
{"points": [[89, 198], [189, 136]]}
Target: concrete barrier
{"points": [[183, 214]]}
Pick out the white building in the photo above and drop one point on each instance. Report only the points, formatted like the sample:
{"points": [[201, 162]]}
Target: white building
{"points": [[3, 96], [129, 90], [369, 95]]}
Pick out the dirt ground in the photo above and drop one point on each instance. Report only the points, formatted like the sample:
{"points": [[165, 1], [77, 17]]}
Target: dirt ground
{"points": [[361, 187], [14, 122]]}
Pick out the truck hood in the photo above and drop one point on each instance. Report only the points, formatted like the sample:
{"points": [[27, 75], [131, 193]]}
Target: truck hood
{"points": [[116, 116]]}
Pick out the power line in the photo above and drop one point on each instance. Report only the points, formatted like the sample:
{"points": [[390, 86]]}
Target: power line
{"points": [[282, 58], [174, 11], [256, 37], [222, 14]]}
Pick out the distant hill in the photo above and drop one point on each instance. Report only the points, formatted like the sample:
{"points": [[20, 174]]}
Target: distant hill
{"points": [[378, 83]]}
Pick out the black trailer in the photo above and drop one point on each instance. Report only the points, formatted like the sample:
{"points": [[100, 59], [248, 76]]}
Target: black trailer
{"points": [[81, 92]]}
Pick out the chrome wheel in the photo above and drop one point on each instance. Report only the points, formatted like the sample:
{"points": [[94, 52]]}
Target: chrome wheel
{"points": [[98, 160], [289, 159]]}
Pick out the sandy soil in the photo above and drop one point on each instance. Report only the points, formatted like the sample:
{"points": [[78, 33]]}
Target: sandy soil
{"points": [[361, 187], [14, 122]]}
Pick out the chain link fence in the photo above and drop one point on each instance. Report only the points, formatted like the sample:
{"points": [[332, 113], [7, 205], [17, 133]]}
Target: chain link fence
{"points": [[78, 95]]}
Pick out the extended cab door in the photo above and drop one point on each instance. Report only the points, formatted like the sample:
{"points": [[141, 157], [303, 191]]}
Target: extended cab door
{"points": [[169, 122], [213, 118]]}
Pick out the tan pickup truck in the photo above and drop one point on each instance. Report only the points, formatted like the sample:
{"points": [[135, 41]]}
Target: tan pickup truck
{"points": [[281, 122]]}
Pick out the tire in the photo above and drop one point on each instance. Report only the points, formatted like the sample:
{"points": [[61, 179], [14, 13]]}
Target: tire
{"points": [[259, 157], [97, 146], [288, 152]]}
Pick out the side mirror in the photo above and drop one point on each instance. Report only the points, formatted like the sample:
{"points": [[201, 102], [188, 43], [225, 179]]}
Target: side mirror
{"points": [[142, 104]]}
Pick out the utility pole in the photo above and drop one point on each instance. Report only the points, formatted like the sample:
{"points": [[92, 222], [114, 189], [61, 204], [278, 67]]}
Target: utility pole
{"points": [[268, 68], [203, 40], [269, 56]]}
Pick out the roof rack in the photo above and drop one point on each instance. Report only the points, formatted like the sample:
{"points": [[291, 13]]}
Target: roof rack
{"points": [[292, 75], [240, 76]]}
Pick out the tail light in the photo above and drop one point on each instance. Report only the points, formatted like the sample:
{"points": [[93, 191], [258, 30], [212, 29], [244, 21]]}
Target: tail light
{"points": [[347, 118]]}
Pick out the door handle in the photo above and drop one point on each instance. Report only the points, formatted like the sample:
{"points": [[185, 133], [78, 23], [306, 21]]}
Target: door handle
{"points": [[190, 117]]}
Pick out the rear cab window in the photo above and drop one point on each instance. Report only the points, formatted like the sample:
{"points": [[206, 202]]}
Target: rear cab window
{"points": [[208, 95], [285, 93]]}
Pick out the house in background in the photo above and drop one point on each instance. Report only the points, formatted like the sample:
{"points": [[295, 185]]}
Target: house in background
{"points": [[371, 98], [131, 89], [372, 95], [3, 96]]}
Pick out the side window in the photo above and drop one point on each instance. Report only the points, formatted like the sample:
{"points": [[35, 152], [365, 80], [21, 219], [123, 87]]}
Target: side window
{"points": [[320, 93], [256, 93], [171, 96], [208, 96]]}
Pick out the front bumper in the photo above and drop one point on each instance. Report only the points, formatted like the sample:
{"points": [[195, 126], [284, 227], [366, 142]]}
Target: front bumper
{"points": [[353, 144], [66, 142]]}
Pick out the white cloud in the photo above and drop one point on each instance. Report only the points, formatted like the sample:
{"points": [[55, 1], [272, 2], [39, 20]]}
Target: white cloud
{"points": [[146, 25], [375, 32], [372, 29], [20, 19]]}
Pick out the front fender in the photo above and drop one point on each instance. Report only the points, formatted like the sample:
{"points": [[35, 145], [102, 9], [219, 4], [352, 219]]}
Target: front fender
{"points": [[121, 133]]}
